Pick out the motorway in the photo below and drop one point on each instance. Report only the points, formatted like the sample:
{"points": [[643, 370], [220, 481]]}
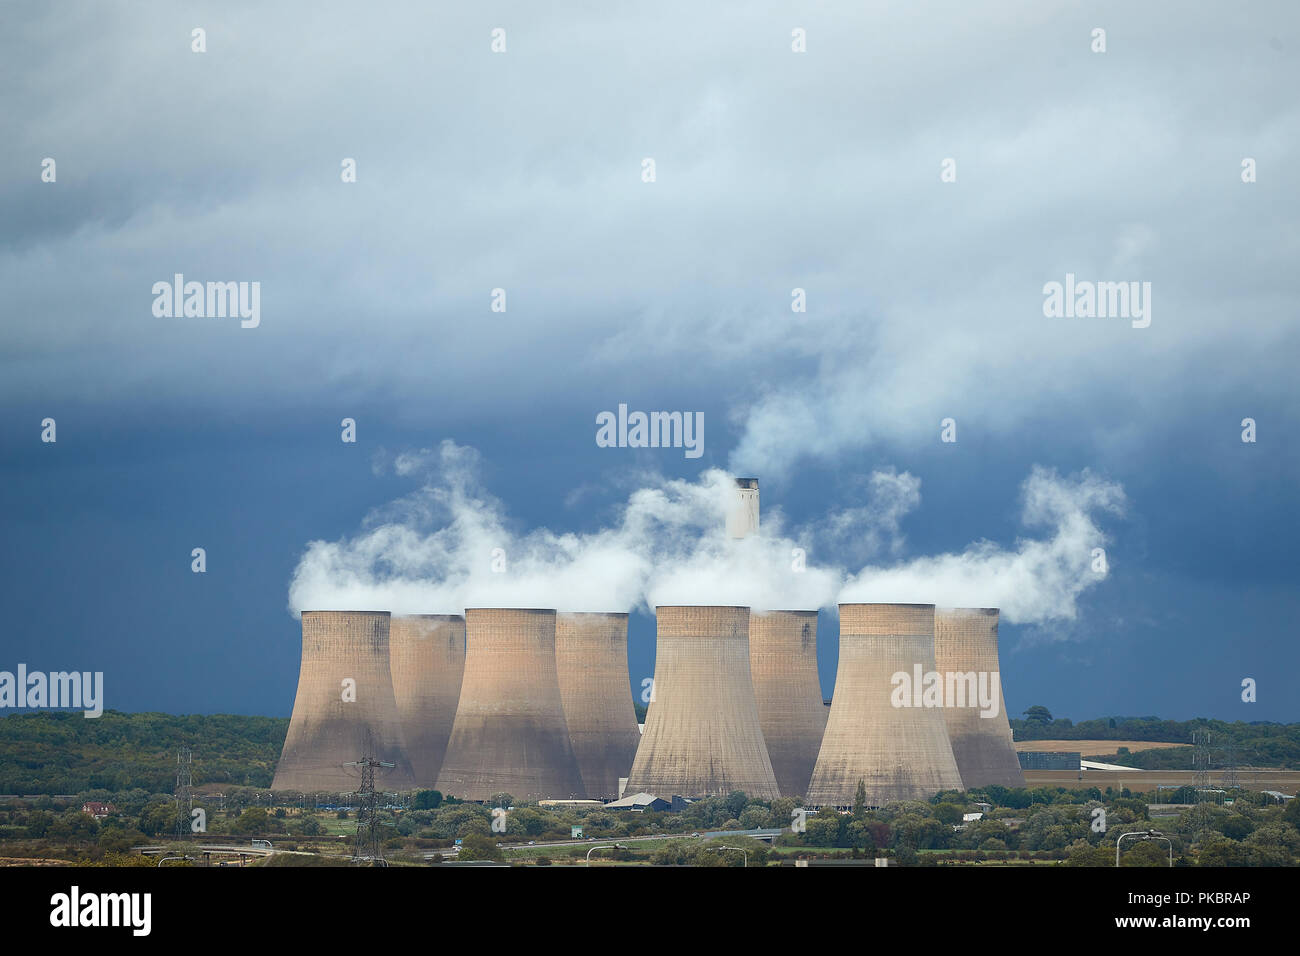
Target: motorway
{"points": [[765, 835]]}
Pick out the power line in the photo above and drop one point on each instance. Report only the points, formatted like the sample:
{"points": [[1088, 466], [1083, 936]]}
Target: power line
{"points": [[366, 850], [184, 792]]}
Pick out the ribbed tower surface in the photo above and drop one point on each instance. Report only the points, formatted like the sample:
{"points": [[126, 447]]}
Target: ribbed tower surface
{"points": [[326, 732], [702, 735], [966, 642], [510, 734], [595, 691], [901, 753], [788, 692], [427, 661]]}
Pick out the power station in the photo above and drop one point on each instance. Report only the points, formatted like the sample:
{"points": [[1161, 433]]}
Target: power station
{"points": [[896, 744], [702, 734], [427, 662], [966, 645], [788, 693], [345, 708], [538, 704], [591, 663], [510, 734]]}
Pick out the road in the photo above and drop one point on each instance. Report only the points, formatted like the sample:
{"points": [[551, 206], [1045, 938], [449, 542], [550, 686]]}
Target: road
{"points": [[766, 835]]}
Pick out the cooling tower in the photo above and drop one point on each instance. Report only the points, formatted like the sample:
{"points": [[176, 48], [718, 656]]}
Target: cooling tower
{"points": [[510, 734], [591, 660], [345, 708], [783, 664], [900, 752], [427, 661], [966, 644], [702, 735]]}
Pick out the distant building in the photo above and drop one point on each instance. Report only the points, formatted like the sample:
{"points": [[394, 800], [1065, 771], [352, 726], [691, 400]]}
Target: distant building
{"points": [[1051, 760], [98, 810], [639, 803]]}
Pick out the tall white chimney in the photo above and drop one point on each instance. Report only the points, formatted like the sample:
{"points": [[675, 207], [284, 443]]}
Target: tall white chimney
{"points": [[742, 519]]}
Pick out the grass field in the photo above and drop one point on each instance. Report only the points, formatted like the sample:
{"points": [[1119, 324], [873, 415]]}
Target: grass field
{"points": [[1096, 748]]}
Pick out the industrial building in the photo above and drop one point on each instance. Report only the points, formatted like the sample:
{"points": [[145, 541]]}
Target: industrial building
{"points": [[702, 734], [966, 643], [788, 693], [591, 665], [1049, 760], [899, 752], [345, 708], [510, 734], [427, 662]]}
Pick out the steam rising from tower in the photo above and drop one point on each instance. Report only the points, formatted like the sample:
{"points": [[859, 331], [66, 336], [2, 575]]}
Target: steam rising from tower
{"points": [[900, 752], [591, 660], [345, 708], [966, 643], [427, 661], [510, 734], [702, 735]]}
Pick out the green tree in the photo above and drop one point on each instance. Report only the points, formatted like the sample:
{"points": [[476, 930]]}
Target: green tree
{"points": [[783, 811], [118, 840], [1038, 714], [478, 846], [755, 817], [1235, 826], [1292, 812], [158, 818], [1146, 853], [823, 829], [427, 800], [948, 813], [1220, 851], [253, 820], [38, 824], [1083, 853], [860, 801], [306, 826]]}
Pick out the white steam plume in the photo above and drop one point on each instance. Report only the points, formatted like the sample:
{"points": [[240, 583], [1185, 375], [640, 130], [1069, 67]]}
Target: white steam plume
{"points": [[435, 550], [1037, 581]]}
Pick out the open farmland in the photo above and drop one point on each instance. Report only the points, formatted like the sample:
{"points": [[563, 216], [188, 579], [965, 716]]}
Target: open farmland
{"points": [[1093, 747]]}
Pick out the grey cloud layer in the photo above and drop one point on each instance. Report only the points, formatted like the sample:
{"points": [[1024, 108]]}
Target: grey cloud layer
{"points": [[776, 170]]}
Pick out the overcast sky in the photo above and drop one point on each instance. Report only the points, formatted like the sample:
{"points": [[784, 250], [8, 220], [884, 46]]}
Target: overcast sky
{"points": [[775, 170]]}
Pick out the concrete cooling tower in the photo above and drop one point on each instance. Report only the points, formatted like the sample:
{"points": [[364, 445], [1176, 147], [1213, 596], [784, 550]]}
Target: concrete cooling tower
{"points": [[591, 661], [889, 740], [345, 708], [427, 661], [966, 644], [510, 734], [702, 734], [783, 665]]}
